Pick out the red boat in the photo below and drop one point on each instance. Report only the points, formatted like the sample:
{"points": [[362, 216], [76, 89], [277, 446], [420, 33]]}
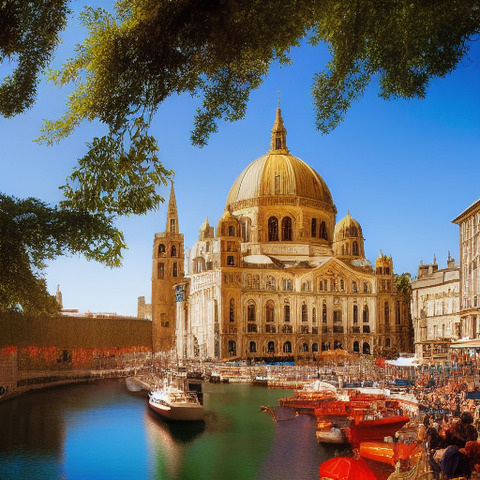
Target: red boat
{"points": [[360, 417], [366, 430]]}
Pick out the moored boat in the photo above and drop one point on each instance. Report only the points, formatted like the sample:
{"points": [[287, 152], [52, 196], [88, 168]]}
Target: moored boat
{"points": [[174, 404]]}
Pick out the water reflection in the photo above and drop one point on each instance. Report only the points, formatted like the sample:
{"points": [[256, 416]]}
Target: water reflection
{"points": [[101, 432]]}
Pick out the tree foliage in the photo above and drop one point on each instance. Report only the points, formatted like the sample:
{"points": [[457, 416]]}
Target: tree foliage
{"points": [[32, 233], [29, 32]]}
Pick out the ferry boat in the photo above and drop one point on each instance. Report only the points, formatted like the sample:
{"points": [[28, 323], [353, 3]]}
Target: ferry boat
{"points": [[175, 404]]}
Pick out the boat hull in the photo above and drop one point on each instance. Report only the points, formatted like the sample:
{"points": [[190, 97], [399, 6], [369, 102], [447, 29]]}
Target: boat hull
{"points": [[377, 430], [179, 413]]}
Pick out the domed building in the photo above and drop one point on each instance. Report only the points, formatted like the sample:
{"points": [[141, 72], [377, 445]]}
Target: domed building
{"points": [[279, 279]]}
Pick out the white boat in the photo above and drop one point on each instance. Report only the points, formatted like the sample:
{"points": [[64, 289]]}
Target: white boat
{"points": [[172, 403]]}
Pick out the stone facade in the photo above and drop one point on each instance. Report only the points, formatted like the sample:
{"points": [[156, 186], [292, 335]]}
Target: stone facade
{"points": [[469, 238], [435, 307], [280, 278]]}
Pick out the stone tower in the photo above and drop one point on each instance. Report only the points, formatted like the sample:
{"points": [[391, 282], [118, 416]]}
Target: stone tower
{"points": [[167, 270]]}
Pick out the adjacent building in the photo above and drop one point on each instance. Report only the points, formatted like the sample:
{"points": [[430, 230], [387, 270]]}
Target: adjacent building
{"points": [[435, 308], [279, 278], [469, 238]]}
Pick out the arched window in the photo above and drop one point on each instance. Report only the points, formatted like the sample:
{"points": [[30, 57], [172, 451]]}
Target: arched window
{"points": [[286, 313], [271, 347], [173, 251], [356, 347], [231, 231], [314, 227], [161, 249], [251, 317], [174, 270], [232, 348], [355, 248], [161, 271], [324, 313], [366, 348], [270, 311], [287, 229], [232, 309], [287, 347], [253, 347], [273, 229], [386, 309], [323, 231], [365, 314], [304, 313]]}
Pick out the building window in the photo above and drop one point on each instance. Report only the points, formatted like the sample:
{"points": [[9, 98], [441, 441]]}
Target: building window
{"points": [[231, 231], [365, 314], [174, 270], [324, 313], [253, 347], [230, 260], [161, 271], [232, 310], [314, 227], [161, 249], [365, 287], [287, 347], [386, 309], [366, 348], [270, 311], [323, 231], [355, 314], [387, 342], [251, 312], [287, 229], [314, 315], [304, 313], [398, 316], [286, 313], [356, 347], [305, 347], [342, 285], [314, 347], [354, 287], [232, 348], [173, 251], [273, 229], [271, 347], [287, 285], [355, 249], [173, 226], [337, 316], [270, 283]]}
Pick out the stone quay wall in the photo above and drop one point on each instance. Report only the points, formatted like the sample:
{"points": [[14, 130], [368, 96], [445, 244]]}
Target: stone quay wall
{"points": [[43, 352]]}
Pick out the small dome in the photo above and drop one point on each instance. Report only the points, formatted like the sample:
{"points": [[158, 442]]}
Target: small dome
{"points": [[347, 227]]}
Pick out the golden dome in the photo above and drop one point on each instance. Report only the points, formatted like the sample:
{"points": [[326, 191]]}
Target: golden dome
{"points": [[278, 173], [347, 227]]}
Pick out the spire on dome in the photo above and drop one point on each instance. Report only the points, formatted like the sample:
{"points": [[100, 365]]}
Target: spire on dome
{"points": [[172, 213], [278, 139]]}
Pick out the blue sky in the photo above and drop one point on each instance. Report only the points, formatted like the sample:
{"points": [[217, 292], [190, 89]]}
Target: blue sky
{"points": [[404, 169]]}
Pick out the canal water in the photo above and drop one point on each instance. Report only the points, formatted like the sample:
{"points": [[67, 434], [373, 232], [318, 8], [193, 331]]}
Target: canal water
{"points": [[100, 431]]}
